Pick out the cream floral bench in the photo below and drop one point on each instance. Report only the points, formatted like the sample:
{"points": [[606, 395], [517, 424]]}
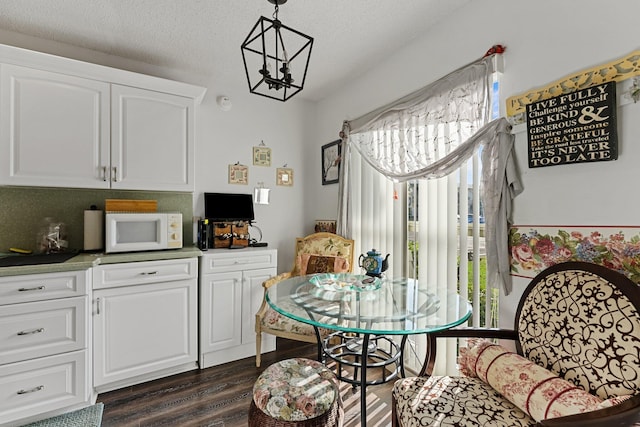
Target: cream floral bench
{"points": [[316, 253], [577, 335]]}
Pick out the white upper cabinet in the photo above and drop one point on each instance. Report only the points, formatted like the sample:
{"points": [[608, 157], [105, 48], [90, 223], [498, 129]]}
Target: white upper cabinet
{"points": [[52, 129], [151, 140], [66, 123]]}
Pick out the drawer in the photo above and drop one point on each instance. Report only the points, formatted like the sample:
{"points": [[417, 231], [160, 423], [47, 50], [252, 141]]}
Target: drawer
{"points": [[42, 385], [39, 287], [42, 328], [238, 261], [140, 273]]}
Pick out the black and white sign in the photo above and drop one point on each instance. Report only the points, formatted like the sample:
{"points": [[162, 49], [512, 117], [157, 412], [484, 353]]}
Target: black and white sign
{"points": [[575, 127]]}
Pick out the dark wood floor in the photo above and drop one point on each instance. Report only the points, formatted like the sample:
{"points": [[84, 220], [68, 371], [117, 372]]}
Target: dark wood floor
{"points": [[220, 396]]}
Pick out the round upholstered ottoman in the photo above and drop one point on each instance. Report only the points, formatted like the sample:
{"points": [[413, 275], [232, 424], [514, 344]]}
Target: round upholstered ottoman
{"points": [[296, 392]]}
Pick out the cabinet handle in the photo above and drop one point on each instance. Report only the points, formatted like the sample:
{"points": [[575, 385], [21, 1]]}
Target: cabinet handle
{"points": [[37, 288], [105, 177], [31, 332], [148, 273], [98, 306], [114, 174], [31, 390]]}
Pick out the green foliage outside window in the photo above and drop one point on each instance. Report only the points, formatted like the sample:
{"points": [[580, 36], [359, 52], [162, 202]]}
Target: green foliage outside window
{"points": [[413, 253]]}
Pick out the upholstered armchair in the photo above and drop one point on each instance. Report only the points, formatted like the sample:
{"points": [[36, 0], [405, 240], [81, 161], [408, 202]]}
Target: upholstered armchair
{"points": [[577, 360], [316, 253]]}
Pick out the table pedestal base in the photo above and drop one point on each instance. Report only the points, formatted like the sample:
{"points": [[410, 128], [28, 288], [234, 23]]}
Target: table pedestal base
{"points": [[382, 353], [363, 353]]}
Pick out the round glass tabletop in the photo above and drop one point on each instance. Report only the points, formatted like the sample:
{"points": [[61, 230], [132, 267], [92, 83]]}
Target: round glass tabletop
{"points": [[359, 303]]}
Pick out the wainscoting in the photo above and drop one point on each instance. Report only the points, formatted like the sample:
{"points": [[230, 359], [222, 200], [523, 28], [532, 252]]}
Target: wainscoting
{"points": [[220, 396]]}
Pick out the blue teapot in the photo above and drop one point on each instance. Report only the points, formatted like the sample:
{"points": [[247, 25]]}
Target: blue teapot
{"points": [[373, 263]]}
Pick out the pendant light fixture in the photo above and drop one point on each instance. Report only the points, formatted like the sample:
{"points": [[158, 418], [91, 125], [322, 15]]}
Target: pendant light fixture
{"points": [[276, 57]]}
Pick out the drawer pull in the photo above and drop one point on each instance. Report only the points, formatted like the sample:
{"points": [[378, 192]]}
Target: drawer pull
{"points": [[37, 288], [148, 273], [31, 332], [31, 390]]}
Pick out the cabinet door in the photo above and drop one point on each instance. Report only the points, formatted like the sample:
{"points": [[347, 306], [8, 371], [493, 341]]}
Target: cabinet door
{"points": [[152, 140], [220, 311], [252, 299], [142, 329], [53, 129]]}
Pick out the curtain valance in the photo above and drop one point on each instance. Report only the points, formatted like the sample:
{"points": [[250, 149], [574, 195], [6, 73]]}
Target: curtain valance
{"points": [[424, 134]]}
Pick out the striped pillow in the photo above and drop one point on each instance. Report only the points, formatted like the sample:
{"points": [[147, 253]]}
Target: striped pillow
{"points": [[532, 388]]}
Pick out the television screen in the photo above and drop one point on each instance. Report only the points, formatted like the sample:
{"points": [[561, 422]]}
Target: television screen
{"points": [[228, 207]]}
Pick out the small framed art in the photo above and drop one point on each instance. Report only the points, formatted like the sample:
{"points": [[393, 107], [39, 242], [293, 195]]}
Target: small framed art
{"points": [[326, 225], [262, 156], [238, 174], [331, 153], [284, 176]]}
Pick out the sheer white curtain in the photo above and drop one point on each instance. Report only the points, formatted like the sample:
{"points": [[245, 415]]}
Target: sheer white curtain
{"points": [[429, 134]]}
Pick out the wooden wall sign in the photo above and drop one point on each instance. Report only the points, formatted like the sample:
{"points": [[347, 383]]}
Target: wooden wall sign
{"points": [[575, 127]]}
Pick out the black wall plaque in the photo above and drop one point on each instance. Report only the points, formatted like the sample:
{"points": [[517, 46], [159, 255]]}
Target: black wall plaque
{"points": [[575, 127]]}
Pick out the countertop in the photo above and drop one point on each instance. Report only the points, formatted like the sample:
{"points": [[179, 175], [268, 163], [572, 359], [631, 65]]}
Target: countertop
{"points": [[84, 261]]}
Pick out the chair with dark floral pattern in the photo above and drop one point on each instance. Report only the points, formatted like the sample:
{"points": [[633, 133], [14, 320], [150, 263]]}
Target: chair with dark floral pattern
{"points": [[577, 360], [315, 253]]}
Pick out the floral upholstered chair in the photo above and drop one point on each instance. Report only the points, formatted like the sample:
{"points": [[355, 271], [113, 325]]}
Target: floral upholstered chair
{"points": [[316, 253], [577, 336]]}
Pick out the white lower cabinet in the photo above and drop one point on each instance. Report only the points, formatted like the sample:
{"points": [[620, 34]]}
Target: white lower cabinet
{"points": [[230, 295], [44, 351], [144, 321], [42, 385]]}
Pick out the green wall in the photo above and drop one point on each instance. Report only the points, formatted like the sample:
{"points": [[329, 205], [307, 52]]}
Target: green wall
{"points": [[23, 209]]}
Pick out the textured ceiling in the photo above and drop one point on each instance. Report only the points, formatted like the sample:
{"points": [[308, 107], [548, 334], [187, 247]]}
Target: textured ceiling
{"points": [[204, 36]]}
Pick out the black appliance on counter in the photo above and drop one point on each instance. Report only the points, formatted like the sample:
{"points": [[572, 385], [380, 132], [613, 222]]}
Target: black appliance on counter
{"points": [[226, 222]]}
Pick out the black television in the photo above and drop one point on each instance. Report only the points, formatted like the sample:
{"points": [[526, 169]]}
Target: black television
{"points": [[228, 207]]}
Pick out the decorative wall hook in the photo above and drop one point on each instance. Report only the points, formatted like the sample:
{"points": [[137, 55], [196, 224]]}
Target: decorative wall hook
{"points": [[634, 92]]}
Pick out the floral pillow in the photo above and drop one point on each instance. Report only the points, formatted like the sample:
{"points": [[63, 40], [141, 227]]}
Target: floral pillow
{"points": [[295, 390], [311, 264], [532, 388]]}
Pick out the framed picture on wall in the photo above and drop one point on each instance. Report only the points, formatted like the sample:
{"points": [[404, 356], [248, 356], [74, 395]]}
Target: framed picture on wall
{"points": [[284, 176], [331, 156], [238, 174], [262, 156]]}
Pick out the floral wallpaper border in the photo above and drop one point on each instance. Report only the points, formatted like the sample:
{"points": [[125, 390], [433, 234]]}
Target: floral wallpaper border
{"points": [[533, 248]]}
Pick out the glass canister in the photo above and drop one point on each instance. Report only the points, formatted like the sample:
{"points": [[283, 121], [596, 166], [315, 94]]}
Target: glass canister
{"points": [[52, 237]]}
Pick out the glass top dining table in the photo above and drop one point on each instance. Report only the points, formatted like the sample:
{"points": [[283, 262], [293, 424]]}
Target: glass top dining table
{"points": [[368, 305], [365, 314]]}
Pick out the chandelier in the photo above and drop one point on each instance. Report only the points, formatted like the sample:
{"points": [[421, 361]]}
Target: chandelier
{"points": [[276, 57]]}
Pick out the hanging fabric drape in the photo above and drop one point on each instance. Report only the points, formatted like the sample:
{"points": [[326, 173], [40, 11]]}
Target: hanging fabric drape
{"points": [[422, 134], [429, 134]]}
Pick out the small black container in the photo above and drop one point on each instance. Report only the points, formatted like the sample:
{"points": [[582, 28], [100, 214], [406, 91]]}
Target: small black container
{"points": [[203, 234]]}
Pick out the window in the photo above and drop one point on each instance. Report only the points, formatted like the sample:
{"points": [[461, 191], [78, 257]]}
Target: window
{"points": [[434, 228]]}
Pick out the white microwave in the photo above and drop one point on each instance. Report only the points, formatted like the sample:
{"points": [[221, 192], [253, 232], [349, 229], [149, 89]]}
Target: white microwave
{"points": [[142, 231]]}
